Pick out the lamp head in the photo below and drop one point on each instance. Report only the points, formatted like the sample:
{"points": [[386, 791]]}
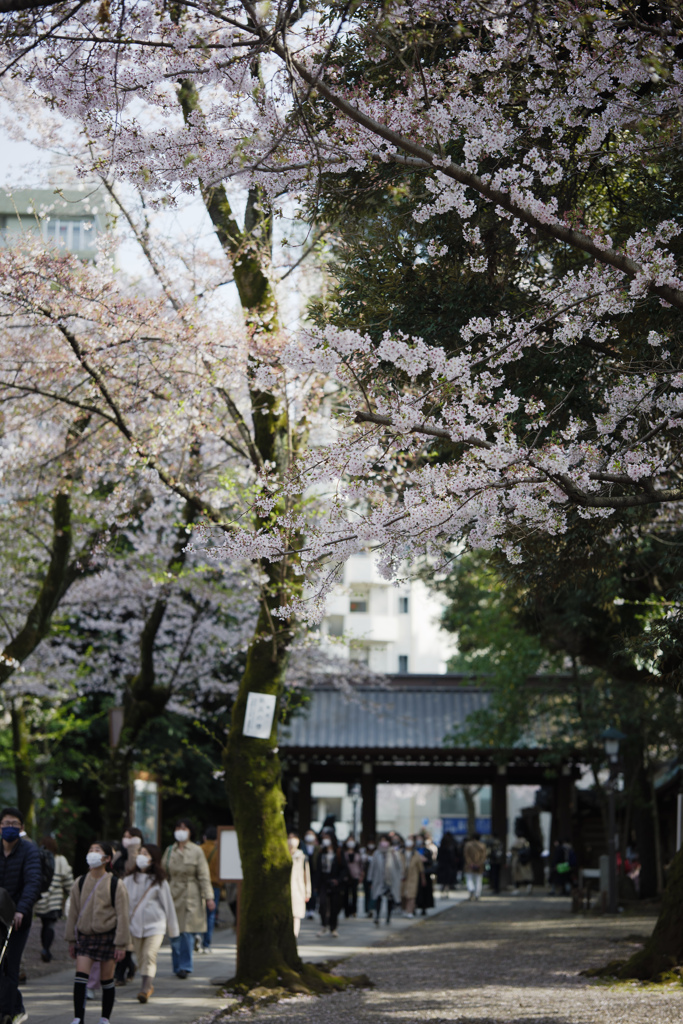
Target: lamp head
{"points": [[612, 737]]}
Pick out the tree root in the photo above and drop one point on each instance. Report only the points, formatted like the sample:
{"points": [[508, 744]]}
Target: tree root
{"points": [[642, 966], [285, 983]]}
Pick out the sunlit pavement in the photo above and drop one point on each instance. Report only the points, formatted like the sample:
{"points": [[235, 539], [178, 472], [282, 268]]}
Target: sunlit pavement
{"points": [[48, 1000]]}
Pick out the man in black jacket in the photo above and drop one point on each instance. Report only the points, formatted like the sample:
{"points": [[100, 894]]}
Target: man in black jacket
{"points": [[20, 875]]}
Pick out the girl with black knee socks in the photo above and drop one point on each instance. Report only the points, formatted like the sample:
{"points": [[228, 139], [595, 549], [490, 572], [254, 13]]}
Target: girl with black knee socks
{"points": [[97, 928]]}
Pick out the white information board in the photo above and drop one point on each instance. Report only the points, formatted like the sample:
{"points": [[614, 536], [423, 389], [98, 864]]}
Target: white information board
{"points": [[229, 860], [258, 718]]}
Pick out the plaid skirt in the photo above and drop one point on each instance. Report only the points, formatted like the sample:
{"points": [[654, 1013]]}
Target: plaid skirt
{"points": [[97, 947]]}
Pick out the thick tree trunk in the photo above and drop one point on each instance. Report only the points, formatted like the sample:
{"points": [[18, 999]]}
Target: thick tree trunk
{"points": [[664, 949], [59, 576], [267, 947]]}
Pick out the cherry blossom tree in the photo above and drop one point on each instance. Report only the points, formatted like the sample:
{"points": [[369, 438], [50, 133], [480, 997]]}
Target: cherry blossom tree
{"points": [[491, 106]]}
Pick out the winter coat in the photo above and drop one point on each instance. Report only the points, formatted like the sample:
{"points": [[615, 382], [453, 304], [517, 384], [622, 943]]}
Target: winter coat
{"points": [[413, 868], [386, 872], [301, 883], [337, 874], [354, 864], [475, 853], [447, 861], [152, 911], [210, 851], [21, 875], [99, 915], [521, 872], [191, 887], [53, 900]]}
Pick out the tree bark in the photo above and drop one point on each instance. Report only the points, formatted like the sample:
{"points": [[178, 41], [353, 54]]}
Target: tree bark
{"points": [[60, 574], [266, 943], [664, 949], [144, 698]]}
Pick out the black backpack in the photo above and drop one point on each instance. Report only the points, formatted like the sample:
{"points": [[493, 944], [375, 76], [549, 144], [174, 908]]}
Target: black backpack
{"points": [[47, 869]]}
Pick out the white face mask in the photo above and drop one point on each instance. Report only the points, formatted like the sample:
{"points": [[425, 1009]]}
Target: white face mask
{"points": [[94, 860], [181, 835], [327, 842], [142, 862], [131, 841], [350, 845], [293, 844], [310, 840], [409, 844]]}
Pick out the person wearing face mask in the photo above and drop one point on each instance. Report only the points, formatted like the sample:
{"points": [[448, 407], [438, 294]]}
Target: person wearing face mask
{"points": [[385, 874], [331, 874], [97, 928], [152, 914], [51, 903], [413, 876], [188, 873], [124, 861], [20, 876], [311, 848], [366, 856], [210, 850], [354, 866], [122, 865], [300, 881]]}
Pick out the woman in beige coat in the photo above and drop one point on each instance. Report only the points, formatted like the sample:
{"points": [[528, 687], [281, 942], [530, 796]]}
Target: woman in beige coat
{"points": [[413, 874], [188, 875], [301, 881]]}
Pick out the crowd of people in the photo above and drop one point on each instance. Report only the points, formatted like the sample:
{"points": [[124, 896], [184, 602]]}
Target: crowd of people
{"points": [[117, 913], [133, 895], [393, 872], [396, 872]]}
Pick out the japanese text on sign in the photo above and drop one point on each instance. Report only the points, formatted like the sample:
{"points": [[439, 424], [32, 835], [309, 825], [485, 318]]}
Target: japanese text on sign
{"points": [[258, 718]]}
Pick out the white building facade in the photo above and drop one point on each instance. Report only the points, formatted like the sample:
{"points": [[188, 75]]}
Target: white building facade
{"points": [[392, 629]]}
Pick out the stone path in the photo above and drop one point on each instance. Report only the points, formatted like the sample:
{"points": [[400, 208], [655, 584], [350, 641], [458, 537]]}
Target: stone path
{"points": [[504, 960]]}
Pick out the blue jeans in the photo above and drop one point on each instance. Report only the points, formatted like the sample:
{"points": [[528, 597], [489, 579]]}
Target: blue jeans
{"points": [[182, 948], [211, 916]]}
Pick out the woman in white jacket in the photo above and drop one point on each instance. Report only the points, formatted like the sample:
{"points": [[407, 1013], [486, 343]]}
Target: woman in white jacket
{"points": [[152, 914]]}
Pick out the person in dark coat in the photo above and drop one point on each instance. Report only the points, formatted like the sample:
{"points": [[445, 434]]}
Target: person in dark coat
{"points": [[331, 873], [425, 893], [21, 876], [447, 872]]}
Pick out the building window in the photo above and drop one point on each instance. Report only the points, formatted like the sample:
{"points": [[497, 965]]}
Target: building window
{"points": [[403, 605], [359, 605], [70, 234], [335, 625], [402, 664]]}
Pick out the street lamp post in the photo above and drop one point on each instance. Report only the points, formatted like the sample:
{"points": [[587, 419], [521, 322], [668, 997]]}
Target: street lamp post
{"points": [[612, 738]]}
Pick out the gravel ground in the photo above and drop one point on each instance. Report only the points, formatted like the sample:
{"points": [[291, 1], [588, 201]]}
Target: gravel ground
{"points": [[500, 961]]}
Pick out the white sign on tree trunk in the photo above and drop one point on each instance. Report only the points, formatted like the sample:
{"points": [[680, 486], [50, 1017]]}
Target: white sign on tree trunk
{"points": [[258, 718]]}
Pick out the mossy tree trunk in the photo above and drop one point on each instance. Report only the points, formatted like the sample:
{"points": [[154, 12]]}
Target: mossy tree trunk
{"points": [[664, 948], [266, 944]]}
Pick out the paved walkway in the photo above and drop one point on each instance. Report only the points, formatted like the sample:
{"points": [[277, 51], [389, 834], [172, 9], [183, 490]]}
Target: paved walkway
{"points": [[48, 998], [505, 960]]}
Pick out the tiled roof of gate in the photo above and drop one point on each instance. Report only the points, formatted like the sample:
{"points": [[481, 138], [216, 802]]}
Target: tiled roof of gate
{"points": [[400, 719]]}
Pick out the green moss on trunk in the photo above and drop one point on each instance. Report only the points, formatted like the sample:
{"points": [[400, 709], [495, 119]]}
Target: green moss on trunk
{"points": [[267, 952]]}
